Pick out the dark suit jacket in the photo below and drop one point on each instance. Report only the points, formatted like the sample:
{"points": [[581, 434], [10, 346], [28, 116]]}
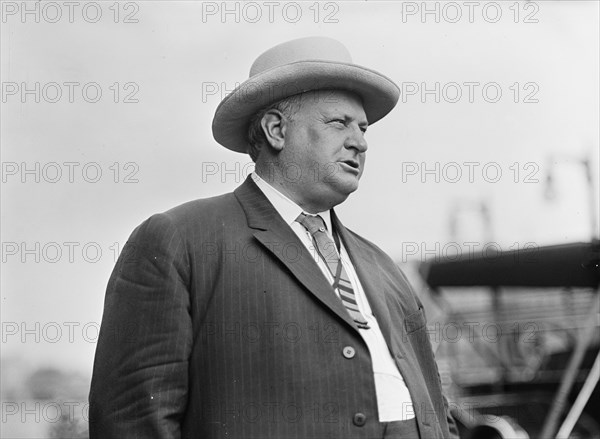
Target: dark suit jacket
{"points": [[218, 323]]}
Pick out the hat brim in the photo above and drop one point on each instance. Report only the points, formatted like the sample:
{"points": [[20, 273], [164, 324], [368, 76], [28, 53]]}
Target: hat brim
{"points": [[379, 94]]}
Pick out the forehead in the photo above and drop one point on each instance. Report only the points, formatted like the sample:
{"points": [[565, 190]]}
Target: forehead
{"points": [[333, 101]]}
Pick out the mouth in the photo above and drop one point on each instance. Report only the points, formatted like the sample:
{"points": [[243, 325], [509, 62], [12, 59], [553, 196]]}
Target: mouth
{"points": [[352, 164]]}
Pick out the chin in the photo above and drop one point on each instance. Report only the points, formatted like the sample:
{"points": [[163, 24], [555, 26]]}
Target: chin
{"points": [[345, 188], [335, 191], [349, 184]]}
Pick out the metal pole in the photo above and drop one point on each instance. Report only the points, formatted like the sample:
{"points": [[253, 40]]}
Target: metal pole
{"points": [[559, 402], [581, 401]]}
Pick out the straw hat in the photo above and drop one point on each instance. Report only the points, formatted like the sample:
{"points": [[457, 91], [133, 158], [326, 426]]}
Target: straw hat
{"points": [[298, 66]]}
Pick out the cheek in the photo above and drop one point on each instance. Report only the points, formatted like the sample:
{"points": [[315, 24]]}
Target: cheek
{"points": [[315, 146], [313, 137]]}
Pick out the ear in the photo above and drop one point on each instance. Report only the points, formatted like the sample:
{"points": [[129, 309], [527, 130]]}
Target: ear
{"points": [[273, 125]]}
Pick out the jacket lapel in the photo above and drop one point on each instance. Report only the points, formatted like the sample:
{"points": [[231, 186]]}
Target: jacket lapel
{"points": [[280, 240], [365, 264]]}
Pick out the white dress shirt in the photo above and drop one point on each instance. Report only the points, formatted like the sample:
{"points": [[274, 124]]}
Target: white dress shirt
{"points": [[393, 399]]}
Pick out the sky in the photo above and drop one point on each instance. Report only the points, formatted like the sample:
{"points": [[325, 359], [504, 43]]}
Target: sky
{"points": [[106, 119]]}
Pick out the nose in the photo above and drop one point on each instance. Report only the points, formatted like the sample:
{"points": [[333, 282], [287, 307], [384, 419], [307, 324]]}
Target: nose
{"points": [[356, 140]]}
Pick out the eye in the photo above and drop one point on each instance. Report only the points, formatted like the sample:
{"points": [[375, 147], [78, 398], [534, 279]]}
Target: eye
{"points": [[342, 121]]}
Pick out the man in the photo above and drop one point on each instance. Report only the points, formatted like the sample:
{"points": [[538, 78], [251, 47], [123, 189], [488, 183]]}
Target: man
{"points": [[257, 314]]}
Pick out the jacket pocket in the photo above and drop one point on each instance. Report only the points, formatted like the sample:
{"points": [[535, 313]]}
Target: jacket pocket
{"points": [[415, 321]]}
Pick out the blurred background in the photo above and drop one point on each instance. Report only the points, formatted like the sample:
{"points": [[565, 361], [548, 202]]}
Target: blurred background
{"points": [[491, 155]]}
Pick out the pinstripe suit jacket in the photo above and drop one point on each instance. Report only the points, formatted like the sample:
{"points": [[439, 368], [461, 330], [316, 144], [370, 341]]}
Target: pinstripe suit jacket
{"points": [[219, 324]]}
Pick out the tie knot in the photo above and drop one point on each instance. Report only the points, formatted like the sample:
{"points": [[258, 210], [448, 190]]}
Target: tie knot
{"points": [[312, 223]]}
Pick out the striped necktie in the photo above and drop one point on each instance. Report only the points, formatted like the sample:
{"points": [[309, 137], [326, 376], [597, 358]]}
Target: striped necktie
{"points": [[329, 254]]}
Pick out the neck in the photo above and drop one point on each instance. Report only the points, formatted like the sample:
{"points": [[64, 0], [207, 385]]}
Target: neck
{"points": [[291, 191]]}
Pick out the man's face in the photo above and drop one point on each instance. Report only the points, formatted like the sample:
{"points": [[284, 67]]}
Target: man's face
{"points": [[324, 149]]}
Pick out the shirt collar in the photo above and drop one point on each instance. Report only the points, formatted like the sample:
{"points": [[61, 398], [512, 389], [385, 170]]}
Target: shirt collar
{"points": [[288, 210]]}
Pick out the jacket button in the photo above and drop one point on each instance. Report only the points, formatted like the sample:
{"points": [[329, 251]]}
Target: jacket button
{"points": [[359, 419], [349, 352]]}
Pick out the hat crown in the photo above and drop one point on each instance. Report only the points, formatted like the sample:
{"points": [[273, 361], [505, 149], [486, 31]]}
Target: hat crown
{"points": [[302, 49]]}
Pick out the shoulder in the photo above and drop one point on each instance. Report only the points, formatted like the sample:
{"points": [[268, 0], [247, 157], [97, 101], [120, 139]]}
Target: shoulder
{"points": [[385, 263], [188, 218], [376, 250], [202, 210]]}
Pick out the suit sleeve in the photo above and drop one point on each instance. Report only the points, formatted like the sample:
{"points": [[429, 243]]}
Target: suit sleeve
{"points": [[452, 427], [140, 378]]}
